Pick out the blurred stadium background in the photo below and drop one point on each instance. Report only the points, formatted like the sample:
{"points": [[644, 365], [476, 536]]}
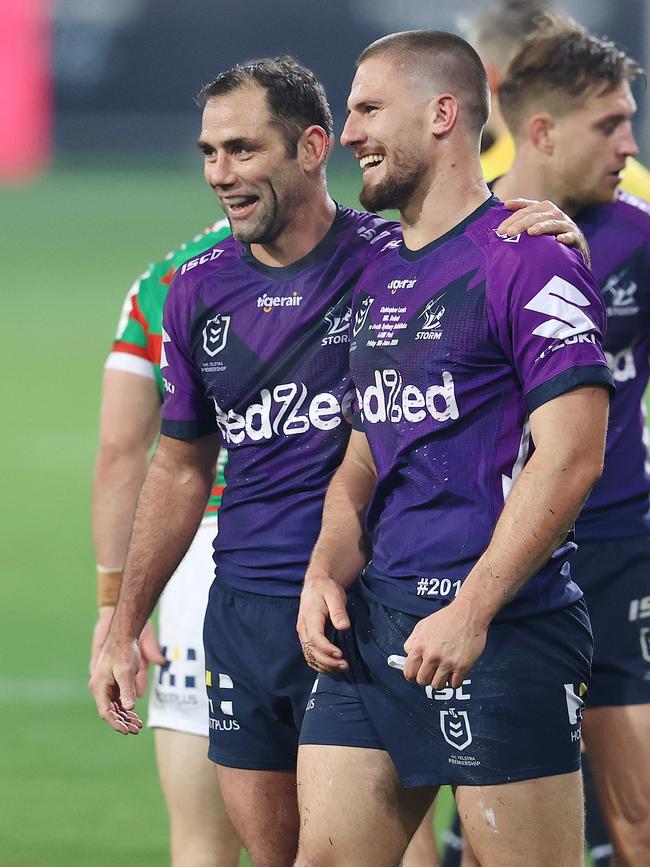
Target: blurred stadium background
{"points": [[82, 211]]}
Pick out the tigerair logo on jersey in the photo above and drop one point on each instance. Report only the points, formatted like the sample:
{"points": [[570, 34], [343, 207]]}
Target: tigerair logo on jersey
{"points": [[215, 334], [362, 314], [406, 283], [210, 256], [389, 399], [338, 325], [285, 410], [270, 302]]}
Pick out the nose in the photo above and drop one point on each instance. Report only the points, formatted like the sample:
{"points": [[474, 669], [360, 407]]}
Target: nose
{"points": [[352, 134], [627, 145], [219, 170]]}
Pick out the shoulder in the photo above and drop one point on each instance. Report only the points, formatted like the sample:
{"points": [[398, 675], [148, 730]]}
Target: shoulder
{"points": [[630, 208], [369, 231]]}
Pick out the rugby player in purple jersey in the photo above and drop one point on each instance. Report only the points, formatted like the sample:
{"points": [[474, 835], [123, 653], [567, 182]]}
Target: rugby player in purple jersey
{"points": [[255, 356], [567, 100], [482, 393]]}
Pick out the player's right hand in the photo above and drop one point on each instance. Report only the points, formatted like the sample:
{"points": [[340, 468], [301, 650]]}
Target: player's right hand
{"points": [[113, 686], [322, 601]]}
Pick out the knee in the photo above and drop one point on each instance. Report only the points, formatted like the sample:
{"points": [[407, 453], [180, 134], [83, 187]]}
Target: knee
{"points": [[310, 855], [632, 844]]}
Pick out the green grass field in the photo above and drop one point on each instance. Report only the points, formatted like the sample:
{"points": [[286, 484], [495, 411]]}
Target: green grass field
{"points": [[72, 792]]}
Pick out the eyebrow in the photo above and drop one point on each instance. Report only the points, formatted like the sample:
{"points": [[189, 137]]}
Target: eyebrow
{"points": [[229, 144]]}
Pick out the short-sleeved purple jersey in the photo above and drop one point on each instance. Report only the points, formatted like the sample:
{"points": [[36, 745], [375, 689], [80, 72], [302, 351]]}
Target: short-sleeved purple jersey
{"points": [[619, 237], [259, 355], [452, 347]]}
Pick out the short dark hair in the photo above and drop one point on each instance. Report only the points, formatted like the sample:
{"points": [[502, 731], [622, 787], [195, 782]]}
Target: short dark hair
{"points": [[498, 31], [559, 63], [448, 60], [295, 96]]}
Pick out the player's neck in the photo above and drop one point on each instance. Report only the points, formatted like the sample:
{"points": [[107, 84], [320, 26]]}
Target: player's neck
{"points": [[454, 193], [529, 179], [310, 222]]}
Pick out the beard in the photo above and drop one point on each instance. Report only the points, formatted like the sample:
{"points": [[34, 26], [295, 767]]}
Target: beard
{"points": [[397, 188]]}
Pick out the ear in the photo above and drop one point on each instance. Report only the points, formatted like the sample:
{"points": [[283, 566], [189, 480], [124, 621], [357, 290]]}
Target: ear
{"points": [[314, 147], [541, 133], [444, 114]]}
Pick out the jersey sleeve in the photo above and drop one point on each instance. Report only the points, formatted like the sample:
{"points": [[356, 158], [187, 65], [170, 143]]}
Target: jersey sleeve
{"points": [[130, 350], [186, 413], [549, 317]]}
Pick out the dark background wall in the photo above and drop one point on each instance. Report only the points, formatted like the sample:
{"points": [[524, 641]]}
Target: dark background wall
{"points": [[126, 70]]}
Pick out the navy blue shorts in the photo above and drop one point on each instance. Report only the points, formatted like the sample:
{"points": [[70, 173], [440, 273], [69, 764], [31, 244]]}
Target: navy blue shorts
{"points": [[257, 680], [517, 716], [614, 575]]}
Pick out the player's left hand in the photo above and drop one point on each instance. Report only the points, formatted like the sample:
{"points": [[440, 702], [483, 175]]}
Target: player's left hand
{"points": [[444, 646], [543, 218]]}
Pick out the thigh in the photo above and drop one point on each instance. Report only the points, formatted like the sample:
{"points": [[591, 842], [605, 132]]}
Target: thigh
{"points": [[178, 700], [515, 717], [617, 740], [353, 808], [202, 833], [532, 823], [257, 680], [616, 578], [263, 807]]}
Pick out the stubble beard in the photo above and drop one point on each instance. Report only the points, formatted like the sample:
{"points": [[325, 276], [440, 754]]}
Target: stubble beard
{"points": [[397, 188]]}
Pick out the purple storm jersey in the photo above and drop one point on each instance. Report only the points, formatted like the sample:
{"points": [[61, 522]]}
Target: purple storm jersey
{"points": [[452, 347], [619, 237], [259, 355]]}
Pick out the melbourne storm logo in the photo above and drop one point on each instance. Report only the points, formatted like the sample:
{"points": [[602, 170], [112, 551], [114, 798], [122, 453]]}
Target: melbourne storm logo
{"points": [[361, 315], [338, 325], [215, 334]]}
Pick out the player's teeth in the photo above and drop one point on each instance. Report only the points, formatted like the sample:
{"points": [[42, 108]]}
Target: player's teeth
{"points": [[243, 200], [371, 160]]}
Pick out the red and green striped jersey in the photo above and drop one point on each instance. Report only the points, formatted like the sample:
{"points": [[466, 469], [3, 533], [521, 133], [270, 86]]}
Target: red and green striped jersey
{"points": [[138, 341]]}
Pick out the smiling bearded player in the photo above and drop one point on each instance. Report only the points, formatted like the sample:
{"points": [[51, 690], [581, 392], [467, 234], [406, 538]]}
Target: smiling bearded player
{"points": [[466, 348]]}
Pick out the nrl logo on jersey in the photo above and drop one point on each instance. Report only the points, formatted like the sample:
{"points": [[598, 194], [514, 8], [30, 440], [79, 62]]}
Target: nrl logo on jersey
{"points": [[215, 334], [338, 325], [619, 293], [361, 315], [432, 316]]}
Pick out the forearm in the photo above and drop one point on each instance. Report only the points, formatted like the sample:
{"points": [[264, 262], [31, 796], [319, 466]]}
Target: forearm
{"points": [[536, 518], [342, 550], [168, 514], [117, 482]]}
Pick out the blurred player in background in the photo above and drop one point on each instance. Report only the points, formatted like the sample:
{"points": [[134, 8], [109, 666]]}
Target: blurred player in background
{"points": [[460, 364], [566, 99], [201, 832], [496, 34]]}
